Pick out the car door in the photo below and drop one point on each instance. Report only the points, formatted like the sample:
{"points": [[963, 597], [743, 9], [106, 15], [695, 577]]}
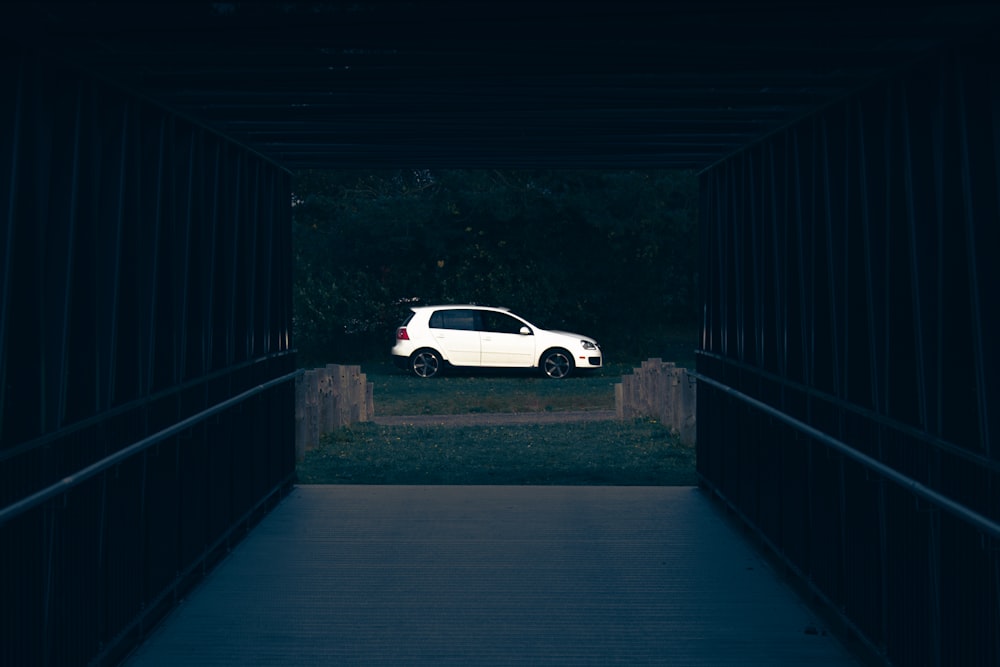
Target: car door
{"points": [[503, 343], [456, 333]]}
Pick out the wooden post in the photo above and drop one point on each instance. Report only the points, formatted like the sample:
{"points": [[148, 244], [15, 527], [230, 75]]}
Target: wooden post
{"points": [[369, 401], [300, 417], [357, 394], [333, 398], [688, 408], [323, 399], [342, 396], [311, 426]]}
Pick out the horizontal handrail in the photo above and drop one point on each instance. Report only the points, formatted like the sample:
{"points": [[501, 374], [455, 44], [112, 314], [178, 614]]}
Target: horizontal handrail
{"points": [[867, 413], [70, 429], [981, 522], [66, 483]]}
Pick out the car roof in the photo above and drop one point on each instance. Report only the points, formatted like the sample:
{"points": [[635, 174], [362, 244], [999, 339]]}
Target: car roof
{"points": [[457, 306]]}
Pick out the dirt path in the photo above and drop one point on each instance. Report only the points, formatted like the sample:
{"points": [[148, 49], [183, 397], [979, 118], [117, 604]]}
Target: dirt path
{"points": [[494, 418]]}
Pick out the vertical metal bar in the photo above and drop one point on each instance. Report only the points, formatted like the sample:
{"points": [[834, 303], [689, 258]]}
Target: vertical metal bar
{"points": [[180, 365], [994, 112], [915, 272], [252, 222], [727, 342], [938, 166], [933, 469], [101, 562], [827, 190], [735, 230], [146, 593], [208, 321], [271, 240], [803, 286], [934, 579], [67, 292], [721, 328], [48, 594], [809, 250], [717, 342], [841, 367], [995, 554], [154, 264], [116, 268], [780, 302], [847, 264], [756, 254], [799, 255], [42, 153], [234, 249], [844, 538], [8, 246], [886, 263], [978, 357], [882, 402], [271, 246], [867, 263], [865, 197]]}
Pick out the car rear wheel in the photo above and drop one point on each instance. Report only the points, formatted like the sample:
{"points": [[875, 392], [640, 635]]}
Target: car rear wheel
{"points": [[557, 364], [425, 363]]}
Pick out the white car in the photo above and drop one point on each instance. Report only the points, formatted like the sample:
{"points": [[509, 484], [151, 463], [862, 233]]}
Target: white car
{"points": [[434, 337]]}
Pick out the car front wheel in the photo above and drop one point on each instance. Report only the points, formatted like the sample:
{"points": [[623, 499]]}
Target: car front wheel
{"points": [[557, 364], [425, 363]]}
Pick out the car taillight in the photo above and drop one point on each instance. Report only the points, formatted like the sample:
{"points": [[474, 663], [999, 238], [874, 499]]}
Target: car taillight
{"points": [[401, 334]]}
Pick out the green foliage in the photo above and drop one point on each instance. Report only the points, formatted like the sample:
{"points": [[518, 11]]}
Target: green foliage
{"points": [[612, 254]]}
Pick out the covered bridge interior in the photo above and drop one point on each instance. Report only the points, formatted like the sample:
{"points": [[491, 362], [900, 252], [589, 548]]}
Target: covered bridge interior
{"points": [[850, 219]]}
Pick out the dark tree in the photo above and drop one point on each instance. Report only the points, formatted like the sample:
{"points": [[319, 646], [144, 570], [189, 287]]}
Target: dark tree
{"points": [[611, 253]]}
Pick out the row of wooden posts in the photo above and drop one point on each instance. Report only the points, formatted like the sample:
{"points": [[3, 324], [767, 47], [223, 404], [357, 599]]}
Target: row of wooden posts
{"points": [[329, 398], [663, 391], [334, 396]]}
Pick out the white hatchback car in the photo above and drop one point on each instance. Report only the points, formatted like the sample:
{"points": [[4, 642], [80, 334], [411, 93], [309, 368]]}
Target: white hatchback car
{"points": [[433, 337]]}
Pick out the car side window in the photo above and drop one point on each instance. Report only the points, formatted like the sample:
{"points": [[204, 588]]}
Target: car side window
{"points": [[463, 320], [500, 323]]}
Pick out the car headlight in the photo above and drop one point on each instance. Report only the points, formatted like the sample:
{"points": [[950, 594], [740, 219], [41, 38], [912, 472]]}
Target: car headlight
{"points": [[587, 345]]}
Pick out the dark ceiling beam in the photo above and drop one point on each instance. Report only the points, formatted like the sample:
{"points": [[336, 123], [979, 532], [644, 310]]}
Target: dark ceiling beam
{"points": [[392, 82]]}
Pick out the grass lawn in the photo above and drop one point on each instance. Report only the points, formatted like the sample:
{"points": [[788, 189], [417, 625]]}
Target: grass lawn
{"points": [[609, 452], [639, 452], [463, 392]]}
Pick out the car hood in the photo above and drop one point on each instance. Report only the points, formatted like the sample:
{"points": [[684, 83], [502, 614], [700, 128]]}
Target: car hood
{"points": [[572, 335]]}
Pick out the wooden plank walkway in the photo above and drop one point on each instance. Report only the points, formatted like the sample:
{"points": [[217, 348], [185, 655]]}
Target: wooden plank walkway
{"points": [[493, 575]]}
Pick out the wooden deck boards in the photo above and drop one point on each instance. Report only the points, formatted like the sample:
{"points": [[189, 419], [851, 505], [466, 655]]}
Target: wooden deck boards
{"points": [[493, 575]]}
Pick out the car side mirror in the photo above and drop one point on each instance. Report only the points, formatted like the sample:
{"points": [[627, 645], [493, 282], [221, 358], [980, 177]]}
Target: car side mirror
{"points": [[525, 331]]}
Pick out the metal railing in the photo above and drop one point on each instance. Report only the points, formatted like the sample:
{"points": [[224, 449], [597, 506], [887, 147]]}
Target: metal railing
{"points": [[878, 524], [103, 553], [64, 485], [974, 519]]}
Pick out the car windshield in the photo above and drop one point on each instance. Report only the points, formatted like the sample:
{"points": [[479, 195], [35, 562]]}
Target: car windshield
{"points": [[539, 322]]}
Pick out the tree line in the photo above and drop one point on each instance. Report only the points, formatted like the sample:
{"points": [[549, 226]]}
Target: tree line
{"points": [[612, 254]]}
